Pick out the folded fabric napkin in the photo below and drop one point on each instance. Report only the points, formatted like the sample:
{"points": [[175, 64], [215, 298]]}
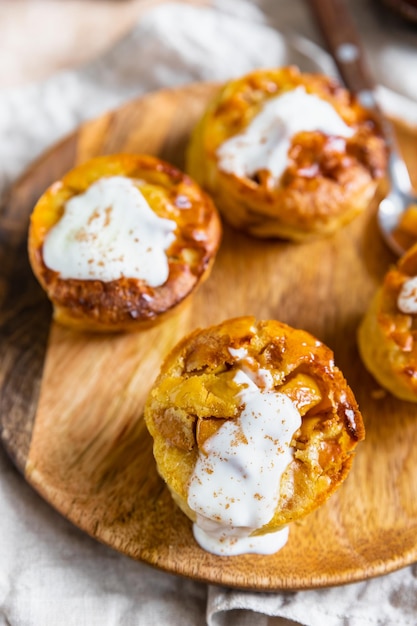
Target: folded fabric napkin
{"points": [[50, 572]]}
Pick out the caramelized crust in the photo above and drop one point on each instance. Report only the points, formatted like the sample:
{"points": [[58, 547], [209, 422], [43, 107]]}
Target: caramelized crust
{"points": [[406, 231], [328, 180], [387, 336], [128, 303], [195, 394]]}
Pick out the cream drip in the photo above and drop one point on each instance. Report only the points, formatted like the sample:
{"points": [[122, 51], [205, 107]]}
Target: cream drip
{"points": [[407, 298], [235, 486]]}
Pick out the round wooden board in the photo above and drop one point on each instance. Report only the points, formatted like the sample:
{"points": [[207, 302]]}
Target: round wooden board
{"points": [[71, 404]]}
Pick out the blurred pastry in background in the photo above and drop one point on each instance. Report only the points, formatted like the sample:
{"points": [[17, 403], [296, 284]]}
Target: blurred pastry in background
{"points": [[287, 154], [405, 232], [121, 241], [254, 427], [388, 333]]}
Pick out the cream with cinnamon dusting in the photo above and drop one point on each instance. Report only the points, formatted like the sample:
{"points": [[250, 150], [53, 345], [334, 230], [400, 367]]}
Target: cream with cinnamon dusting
{"points": [[254, 427], [120, 241], [109, 232], [233, 489]]}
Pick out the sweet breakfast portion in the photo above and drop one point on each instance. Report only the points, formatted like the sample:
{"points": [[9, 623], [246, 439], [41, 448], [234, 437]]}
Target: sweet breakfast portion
{"points": [[286, 154], [253, 427], [387, 336], [120, 241]]}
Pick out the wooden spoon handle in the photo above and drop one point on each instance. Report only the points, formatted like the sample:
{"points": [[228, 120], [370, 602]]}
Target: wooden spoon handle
{"points": [[341, 36], [343, 42]]}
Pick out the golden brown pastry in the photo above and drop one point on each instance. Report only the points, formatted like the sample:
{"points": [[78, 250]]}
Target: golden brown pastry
{"points": [[120, 241], [253, 428], [387, 336], [405, 232], [286, 154]]}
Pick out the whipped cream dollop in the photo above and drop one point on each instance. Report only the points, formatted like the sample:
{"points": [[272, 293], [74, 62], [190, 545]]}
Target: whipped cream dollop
{"points": [[407, 298], [235, 487], [264, 144], [108, 232]]}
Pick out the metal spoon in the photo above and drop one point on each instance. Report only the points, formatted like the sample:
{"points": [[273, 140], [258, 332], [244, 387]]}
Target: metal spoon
{"points": [[344, 44]]}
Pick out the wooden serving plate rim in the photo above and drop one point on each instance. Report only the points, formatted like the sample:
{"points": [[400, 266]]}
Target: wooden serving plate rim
{"points": [[206, 573]]}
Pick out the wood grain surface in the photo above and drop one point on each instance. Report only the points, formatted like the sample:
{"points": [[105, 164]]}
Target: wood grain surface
{"points": [[71, 404]]}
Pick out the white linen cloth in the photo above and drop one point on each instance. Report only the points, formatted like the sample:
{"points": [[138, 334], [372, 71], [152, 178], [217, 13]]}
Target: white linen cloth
{"points": [[50, 572]]}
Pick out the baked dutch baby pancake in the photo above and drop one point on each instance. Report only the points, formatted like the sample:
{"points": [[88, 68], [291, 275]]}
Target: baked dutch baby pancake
{"points": [[120, 241], [253, 427], [387, 336], [287, 154]]}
